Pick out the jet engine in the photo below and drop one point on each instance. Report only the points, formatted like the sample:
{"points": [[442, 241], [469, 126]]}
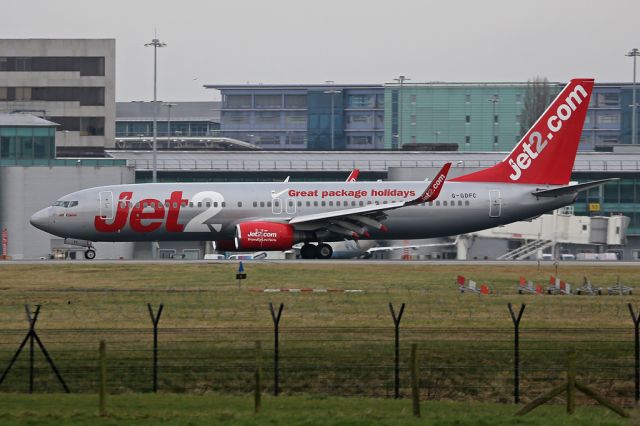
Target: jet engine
{"points": [[266, 236]]}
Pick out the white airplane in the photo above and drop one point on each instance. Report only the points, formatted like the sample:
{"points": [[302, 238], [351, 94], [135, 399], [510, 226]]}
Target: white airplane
{"points": [[531, 180]]}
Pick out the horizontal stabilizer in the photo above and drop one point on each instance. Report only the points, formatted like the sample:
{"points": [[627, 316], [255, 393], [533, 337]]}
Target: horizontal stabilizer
{"points": [[571, 189]]}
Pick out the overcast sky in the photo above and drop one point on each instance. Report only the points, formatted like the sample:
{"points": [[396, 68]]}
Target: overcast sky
{"points": [[348, 41]]}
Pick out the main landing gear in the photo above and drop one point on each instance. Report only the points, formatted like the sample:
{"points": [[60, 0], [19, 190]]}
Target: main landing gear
{"points": [[90, 254], [321, 251]]}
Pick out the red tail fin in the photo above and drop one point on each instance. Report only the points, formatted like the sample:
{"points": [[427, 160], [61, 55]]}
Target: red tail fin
{"points": [[545, 155]]}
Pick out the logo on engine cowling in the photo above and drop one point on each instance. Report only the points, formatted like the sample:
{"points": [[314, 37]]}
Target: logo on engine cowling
{"points": [[262, 234]]}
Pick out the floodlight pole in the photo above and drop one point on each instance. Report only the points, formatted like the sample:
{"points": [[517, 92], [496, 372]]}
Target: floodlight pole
{"points": [[634, 53], [155, 43]]}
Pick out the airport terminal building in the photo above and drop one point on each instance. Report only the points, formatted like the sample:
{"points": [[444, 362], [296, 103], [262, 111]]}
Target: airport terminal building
{"points": [[58, 109]]}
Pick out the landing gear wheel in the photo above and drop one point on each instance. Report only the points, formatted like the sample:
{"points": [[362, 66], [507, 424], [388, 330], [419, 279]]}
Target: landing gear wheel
{"points": [[324, 251], [308, 251], [90, 254]]}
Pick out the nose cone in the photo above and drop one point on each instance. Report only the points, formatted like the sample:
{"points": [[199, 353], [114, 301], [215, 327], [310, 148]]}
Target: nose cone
{"points": [[41, 219]]}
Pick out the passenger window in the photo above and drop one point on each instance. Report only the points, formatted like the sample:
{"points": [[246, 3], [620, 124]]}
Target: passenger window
{"points": [[261, 203], [368, 202], [167, 204], [315, 204], [268, 203], [460, 202], [276, 203], [255, 204], [437, 203], [215, 204], [353, 203], [290, 203], [361, 203], [239, 203], [385, 202], [330, 203], [338, 203], [430, 203], [224, 204], [308, 203], [175, 205], [299, 203], [208, 204], [324, 204], [184, 203], [466, 203], [200, 204], [444, 203], [191, 204]]}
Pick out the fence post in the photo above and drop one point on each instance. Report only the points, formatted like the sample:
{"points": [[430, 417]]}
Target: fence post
{"points": [[516, 351], [415, 389], [32, 318], [636, 324], [276, 348], [155, 319], [257, 399], [571, 381], [396, 323], [103, 378]]}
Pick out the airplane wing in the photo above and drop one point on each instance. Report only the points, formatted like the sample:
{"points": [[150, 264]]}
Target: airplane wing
{"points": [[353, 222], [571, 189]]}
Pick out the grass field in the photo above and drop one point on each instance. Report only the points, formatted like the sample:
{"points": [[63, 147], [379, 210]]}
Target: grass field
{"points": [[207, 294], [233, 410], [330, 343]]}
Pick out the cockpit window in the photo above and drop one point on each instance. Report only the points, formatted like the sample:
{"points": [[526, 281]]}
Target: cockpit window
{"points": [[65, 204]]}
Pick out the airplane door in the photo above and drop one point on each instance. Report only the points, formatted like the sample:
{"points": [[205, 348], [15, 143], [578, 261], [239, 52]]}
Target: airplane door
{"points": [[106, 205], [276, 206], [495, 203], [291, 206]]}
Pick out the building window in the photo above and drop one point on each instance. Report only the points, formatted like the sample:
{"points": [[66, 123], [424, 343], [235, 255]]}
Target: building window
{"points": [[467, 98], [295, 101], [362, 119], [361, 101], [268, 101], [495, 119], [271, 119], [518, 98], [237, 101], [359, 140], [467, 119], [413, 99], [467, 139], [91, 66], [414, 118]]}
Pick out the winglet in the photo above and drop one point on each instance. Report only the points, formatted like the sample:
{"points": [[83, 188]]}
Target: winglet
{"points": [[353, 176], [434, 188]]}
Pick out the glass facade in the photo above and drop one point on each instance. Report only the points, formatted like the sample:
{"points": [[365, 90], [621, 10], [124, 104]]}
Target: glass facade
{"points": [[618, 197], [320, 115], [178, 128], [463, 114], [299, 117], [27, 143], [84, 65]]}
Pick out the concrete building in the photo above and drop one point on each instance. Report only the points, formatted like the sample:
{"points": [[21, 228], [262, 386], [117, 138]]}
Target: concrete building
{"points": [[68, 81], [304, 117]]}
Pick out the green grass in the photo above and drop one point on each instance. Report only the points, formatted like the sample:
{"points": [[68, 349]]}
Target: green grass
{"points": [[171, 409], [331, 343]]}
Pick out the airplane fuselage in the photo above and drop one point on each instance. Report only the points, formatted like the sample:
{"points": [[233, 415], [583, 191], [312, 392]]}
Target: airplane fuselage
{"points": [[210, 211]]}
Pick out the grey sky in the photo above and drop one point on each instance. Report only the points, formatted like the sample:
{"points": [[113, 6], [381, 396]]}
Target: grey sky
{"points": [[348, 41]]}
